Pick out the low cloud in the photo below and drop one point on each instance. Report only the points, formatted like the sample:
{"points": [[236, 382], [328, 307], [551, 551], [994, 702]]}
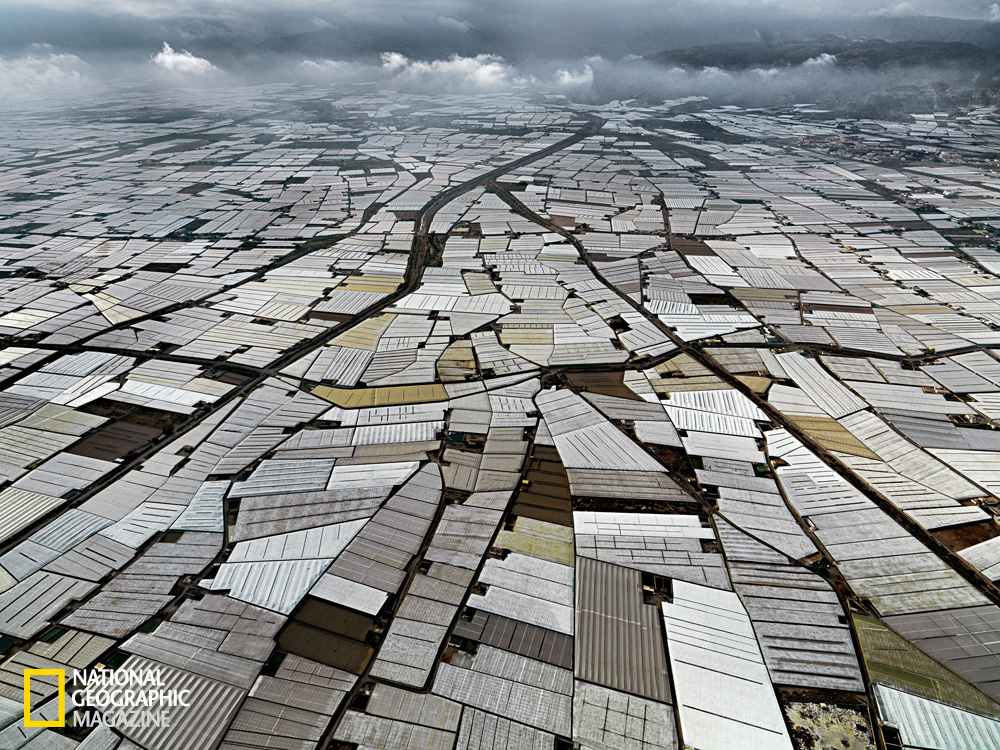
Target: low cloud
{"points": [[454, 24], [894, 11], [329, 67], [820, 60], [993, 13], [39, 73], [482, 72], [183, 62], [336, 71], [583, 77]]}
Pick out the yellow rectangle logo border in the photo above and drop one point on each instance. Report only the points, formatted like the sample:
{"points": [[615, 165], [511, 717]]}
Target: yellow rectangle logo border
{"points": [[61, 674]]}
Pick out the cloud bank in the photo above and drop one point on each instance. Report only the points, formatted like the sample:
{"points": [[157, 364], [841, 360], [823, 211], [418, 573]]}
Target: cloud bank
{"points": [[596, 79], [40, 74]]}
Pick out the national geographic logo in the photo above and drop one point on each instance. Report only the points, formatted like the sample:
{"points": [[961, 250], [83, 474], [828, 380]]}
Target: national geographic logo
{"points": [[116, 698], [60, 674]]}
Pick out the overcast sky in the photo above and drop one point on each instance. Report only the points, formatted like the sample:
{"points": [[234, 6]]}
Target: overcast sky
{"points": [[477, 43], [597, 24], [234, 9]]}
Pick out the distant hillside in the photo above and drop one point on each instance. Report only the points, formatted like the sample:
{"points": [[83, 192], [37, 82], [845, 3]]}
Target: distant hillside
{"points": [[871, 54], [986, 87]]}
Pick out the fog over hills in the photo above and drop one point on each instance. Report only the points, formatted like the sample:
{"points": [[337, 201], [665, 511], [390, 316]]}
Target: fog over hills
{"points": [[870, 77], [868, 54]]}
